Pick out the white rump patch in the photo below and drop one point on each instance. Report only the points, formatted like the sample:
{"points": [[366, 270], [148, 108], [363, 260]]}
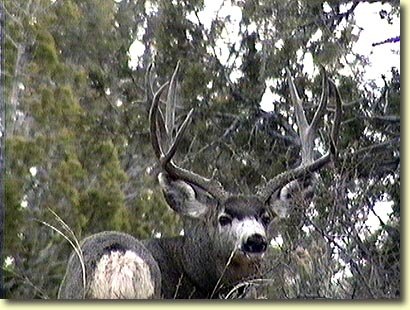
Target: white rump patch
{"points": [[121, 275]]}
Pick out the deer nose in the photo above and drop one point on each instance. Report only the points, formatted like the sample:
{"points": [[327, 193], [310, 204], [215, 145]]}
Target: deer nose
{"points": [[255, 243]]}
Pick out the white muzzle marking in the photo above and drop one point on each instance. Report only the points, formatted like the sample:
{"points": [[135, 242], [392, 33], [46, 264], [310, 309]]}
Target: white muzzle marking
{"points": [[240, 230]]}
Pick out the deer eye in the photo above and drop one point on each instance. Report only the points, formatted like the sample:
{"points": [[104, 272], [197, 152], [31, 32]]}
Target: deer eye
{"points": [[266, 218], [225, 220]]}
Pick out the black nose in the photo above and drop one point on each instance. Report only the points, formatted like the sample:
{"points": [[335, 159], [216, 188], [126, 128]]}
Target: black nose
{"points": [[255, 244]]}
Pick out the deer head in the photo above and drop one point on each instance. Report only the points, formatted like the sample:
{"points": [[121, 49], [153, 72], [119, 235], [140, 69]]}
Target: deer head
{"points": [[233, 227]]}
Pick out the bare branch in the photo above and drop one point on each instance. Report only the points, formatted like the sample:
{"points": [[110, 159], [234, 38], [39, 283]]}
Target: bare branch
{"points": [[336, 119]]}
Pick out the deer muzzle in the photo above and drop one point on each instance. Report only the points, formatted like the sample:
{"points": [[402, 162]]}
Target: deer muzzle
{"points": [[255, 244]]}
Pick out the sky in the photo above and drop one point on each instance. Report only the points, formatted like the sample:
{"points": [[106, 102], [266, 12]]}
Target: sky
{"points": [[382, 57]]}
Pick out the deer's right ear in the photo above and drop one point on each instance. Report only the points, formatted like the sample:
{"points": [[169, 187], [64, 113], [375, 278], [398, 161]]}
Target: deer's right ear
{"points": [[284, 199], [281, 200], [182, 197]]}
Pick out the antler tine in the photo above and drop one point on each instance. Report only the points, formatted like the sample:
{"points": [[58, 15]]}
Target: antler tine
{"points": [[178, 138], [323, 100], [306, 133], [165, 159], [155, 135], [297, 102], [171, 102]]}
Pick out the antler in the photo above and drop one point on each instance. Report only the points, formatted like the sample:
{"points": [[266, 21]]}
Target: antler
{"points": [[165, 158], [307, 134]]}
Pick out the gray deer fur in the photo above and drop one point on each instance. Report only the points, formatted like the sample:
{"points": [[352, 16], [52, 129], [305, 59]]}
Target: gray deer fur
{"points": [[226, 236], [190, 265]]}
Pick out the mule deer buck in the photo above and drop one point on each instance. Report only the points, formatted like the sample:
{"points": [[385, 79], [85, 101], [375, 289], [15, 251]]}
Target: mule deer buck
{"points": [[226, 235]]}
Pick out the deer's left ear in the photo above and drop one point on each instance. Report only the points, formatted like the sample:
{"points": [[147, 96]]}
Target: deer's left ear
{"points": [[183, 198]]}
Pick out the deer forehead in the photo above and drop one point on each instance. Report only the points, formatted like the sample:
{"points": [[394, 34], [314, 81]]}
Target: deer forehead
{"points": [[243, 207]]}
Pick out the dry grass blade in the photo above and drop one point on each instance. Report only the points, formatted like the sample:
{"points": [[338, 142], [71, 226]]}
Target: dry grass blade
{"points": [[223, 273], [254, 282], [73, 241]]}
